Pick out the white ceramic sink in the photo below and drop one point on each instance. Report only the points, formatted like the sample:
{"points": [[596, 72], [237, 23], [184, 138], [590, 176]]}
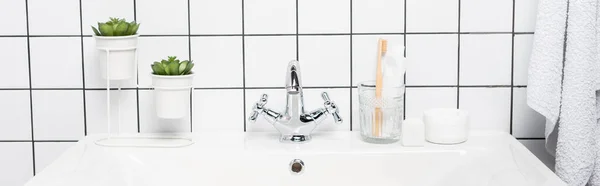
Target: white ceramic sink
{"points": [[336, 158]]}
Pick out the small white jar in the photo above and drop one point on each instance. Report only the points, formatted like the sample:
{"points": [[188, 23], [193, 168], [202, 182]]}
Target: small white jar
{"points": [[446, 125]]}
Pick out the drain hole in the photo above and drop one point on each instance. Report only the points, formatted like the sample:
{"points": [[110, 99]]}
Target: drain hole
{"points": [[296, 166]]}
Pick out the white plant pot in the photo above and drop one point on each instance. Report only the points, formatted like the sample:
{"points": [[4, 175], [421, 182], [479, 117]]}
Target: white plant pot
{"points": [[120, 53], [172, 95]]}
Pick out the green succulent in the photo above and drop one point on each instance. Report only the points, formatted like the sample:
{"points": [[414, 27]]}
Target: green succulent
{"points": [[116, 27], [172, 67]]}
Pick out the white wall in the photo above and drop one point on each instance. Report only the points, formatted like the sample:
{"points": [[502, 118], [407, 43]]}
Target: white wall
{"points": [[469, 54]]}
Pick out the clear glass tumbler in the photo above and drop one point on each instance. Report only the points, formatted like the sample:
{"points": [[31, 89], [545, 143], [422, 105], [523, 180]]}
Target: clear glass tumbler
{"points": [[380, 117]]}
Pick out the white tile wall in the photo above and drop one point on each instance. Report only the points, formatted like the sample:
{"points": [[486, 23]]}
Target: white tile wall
{"points": [[485, 59], [459, 53], [489, 108], [57, 114], [419, 50], [17, 166], [227, 12], [13, 13], [47, 152], [17, 124], [56, 62], [60, 17], [15, 55], [431, 16]]}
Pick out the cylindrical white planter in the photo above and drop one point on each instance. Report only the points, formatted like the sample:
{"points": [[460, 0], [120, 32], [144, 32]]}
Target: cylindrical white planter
{"points": [[120, 54], [172, 95]]}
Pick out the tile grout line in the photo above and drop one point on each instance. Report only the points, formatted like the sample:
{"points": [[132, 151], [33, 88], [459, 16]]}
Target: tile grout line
{"points": [[83, 69], [190, 58], [512, 68], [404, 80], [458, 59], [307, 87], [137, 74], [244, 67], [30, 88], [301, 34], [297, 39], [351, 70]]}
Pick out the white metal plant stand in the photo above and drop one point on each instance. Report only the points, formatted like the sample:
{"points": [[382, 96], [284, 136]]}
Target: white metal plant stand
{"points": [[122, 140]]}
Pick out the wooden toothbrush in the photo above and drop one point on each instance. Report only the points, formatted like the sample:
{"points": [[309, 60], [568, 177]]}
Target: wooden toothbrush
{"points": [[377, 125]]}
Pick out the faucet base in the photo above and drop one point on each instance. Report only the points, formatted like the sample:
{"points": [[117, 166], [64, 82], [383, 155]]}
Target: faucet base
{"points": [[295, 138]]}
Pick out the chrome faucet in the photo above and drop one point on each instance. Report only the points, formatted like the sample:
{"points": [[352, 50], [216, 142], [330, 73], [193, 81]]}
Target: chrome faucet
{"points": [[295, 125]]}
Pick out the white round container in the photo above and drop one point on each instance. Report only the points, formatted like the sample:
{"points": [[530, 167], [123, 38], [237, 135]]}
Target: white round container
{"points": [[446, 125], [119, 52], [172, 95]]}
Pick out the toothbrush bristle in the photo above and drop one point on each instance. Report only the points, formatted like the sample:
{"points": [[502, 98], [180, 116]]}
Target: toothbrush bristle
{"points": [[383, 45]]}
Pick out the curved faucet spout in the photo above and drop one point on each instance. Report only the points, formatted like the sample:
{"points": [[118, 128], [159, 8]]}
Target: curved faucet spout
{"points": [[292, 80]]}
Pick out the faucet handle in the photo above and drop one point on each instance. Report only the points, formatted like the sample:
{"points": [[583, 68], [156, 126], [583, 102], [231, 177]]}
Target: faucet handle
{"points": [[331, 107], [258, 107]]}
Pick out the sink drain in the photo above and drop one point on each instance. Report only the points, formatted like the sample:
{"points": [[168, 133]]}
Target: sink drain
{"points": [[297, 166]]}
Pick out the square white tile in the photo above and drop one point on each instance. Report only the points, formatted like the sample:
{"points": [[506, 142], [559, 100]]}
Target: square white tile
{"points": [[93, 76], [489, 108], [485, 59], [527, 123], [270, 16], [377, 16], [522, 55], [13, 13], [58, 114], [100, 11], [537, 147], [364, 55], [218, 110], [525, 15], [149, 121], [486, 16], [60, 17], [312, 101], [218, 61], [332, 16], [267, 58], [216, 17], [125, 102], [324, 60], [47, 152], [15, 123], [162, 17], [14, 54], [432, 15], [431, 59], [153, 49], [17, 164], [56, 62], [419, 100]]}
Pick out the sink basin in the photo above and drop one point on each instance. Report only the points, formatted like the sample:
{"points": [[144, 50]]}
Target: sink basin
{"points": [[332, 158]]}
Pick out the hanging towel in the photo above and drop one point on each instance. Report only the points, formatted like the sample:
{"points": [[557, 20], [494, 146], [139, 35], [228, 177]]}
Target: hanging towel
{"points": [[563, 75], [563, 79]]}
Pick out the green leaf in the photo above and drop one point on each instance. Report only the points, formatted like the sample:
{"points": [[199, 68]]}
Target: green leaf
{"points": [[106, 29], [164, 62], [121, 29], [158, 68], [173, 68], [182, 67], [133, 29], [96, 31], [188, 69], [114, 27]]}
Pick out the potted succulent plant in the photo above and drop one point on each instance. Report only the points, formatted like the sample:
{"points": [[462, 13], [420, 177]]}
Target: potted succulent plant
{"points": [[172, 80], [116, 41]]}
